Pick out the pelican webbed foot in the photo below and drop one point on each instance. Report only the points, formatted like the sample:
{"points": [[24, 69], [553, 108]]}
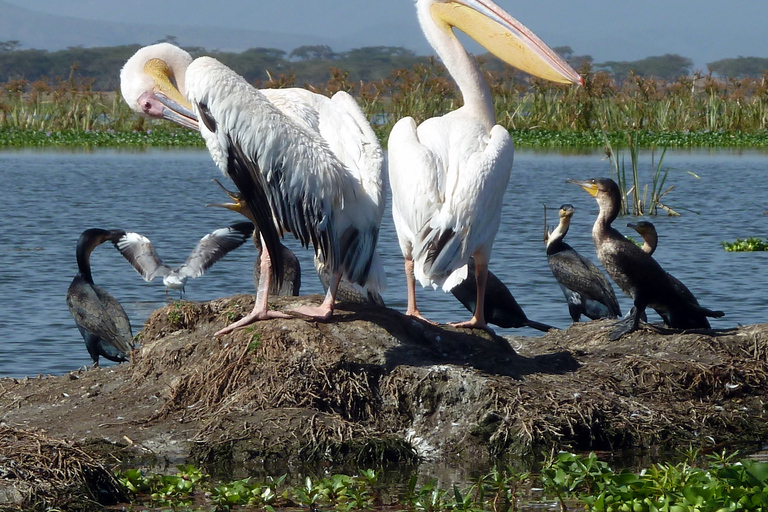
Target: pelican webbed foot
{"points": [[320, 313], [417, 315], [474, 323], [256, 315]]}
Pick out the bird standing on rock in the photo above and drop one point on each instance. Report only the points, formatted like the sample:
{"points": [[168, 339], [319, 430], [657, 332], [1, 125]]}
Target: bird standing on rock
{"points": [[586, 289], [305, 164], [448, 174], [635, 271]]}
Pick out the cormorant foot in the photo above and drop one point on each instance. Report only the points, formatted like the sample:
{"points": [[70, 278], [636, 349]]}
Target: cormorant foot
{"points": [[621, 328], [251, 318]]}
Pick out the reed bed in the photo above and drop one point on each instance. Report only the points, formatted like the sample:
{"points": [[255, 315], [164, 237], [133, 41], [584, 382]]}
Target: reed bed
{"points": [[697, 110]]}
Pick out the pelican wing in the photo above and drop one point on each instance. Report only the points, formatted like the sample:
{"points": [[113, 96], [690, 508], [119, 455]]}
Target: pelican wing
{"points": [[287, 173], [213, 246], [415, 176], [341, 123], [140, 253], [467, 221]]}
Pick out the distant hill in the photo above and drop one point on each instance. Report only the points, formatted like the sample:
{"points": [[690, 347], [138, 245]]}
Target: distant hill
{"points": [[42, 31]]}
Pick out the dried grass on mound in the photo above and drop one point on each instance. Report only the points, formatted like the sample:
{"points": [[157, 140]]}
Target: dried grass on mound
{"points": [[288, 373], [38, 472], [313, 388]]}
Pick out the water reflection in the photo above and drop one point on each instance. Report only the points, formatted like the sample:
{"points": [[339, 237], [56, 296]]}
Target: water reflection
{"points": [[51, 197]]}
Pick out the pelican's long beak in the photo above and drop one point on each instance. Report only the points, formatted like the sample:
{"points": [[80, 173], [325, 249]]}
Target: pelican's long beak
{"points": [[173, 105], [505, 37], [588, 185]]}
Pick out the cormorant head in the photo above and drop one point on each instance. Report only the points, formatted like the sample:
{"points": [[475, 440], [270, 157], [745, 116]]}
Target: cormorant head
{"points": [[598, 186], [643, 227], [93, 237], [648, 231], [606, 192], [566, 212]]}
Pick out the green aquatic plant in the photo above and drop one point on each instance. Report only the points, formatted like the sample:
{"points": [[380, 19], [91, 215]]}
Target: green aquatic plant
{"points": [[164, 490], [719, 484], [714, 483], [747, 245]]}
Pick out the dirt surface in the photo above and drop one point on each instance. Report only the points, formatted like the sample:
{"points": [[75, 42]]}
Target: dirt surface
{"points": [[374, 386]]}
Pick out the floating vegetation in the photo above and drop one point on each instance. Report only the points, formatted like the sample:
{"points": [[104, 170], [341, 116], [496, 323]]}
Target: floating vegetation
{"points": [[747, 245], [718, 482]]}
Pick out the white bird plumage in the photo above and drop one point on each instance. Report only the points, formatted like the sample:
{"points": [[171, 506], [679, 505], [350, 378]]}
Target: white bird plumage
{"points": [[448, 174], [141, 254], [305, 163]]}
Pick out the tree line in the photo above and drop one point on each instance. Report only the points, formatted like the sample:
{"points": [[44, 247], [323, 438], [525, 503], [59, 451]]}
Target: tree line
{"points": [[311, 65]]}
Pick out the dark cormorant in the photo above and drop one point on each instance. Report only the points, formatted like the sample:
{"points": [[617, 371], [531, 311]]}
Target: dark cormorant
{"points": [[138, 250], [650, 241], [634, 270], [500, 308], [648, 231], [586, 289], [100, 318]]}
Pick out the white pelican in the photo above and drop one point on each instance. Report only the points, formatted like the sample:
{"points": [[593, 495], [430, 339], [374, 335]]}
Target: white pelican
{"points": [[141, 254], [99, 317], [448, 175], [305, 164]]}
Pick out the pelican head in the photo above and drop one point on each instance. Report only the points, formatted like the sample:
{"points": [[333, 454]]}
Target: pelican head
{"points": [[500, 34], [152, 83]]}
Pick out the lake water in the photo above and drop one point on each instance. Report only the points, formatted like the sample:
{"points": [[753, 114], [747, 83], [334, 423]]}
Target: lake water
{"points": [[48, 198]]}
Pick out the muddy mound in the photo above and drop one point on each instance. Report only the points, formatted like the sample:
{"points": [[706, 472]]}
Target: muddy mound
{"points": [[374, 386]]}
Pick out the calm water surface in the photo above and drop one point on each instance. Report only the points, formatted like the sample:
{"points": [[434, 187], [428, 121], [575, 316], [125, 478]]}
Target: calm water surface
{"points": [[49, 198]]}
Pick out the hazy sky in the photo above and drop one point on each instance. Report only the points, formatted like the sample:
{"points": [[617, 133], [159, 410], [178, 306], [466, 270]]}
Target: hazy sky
{"points": [[703, 30]]}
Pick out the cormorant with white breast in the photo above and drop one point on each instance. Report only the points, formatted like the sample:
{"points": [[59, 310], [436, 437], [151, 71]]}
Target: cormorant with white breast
{"points": [[100, 318], [586, 289], [634, 270]]}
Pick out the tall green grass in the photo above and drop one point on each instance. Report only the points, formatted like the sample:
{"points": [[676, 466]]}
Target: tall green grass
{"points": [[641, 193], [700, 110]]}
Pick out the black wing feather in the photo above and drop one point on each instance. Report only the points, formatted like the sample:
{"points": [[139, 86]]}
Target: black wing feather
{"points": [[247, 177]]}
